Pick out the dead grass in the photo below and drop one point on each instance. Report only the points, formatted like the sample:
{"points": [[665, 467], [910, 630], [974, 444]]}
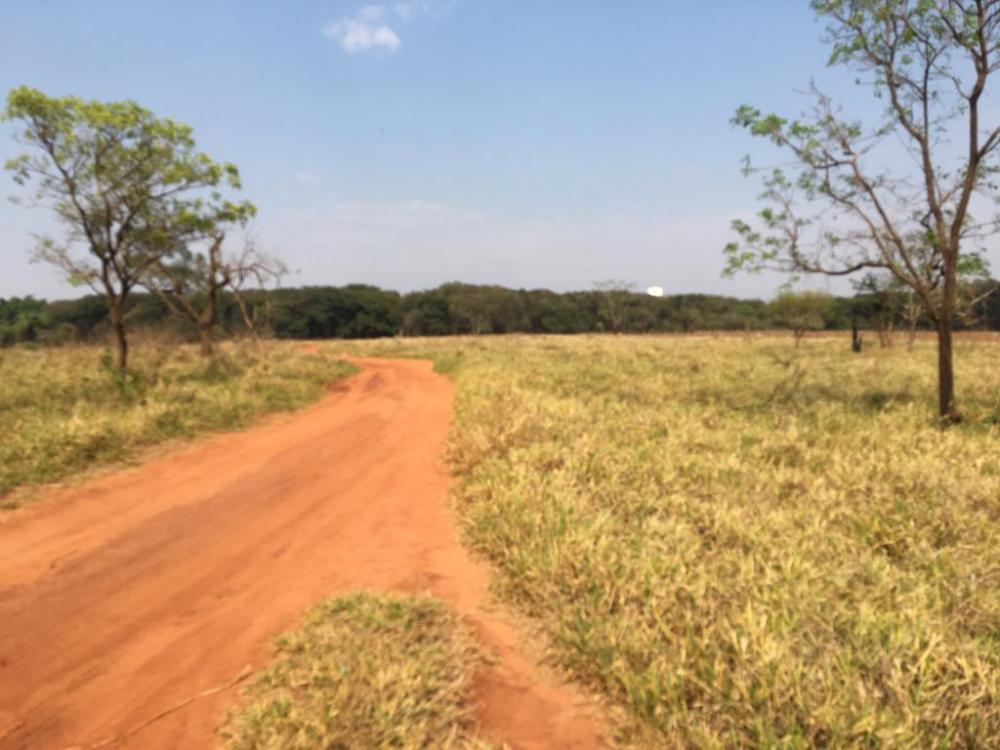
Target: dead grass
{"points": [[364, 671]]}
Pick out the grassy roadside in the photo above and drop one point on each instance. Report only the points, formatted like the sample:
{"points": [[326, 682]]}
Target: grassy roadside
{"points": [[363, 671], [63, 411], [740, 544]]}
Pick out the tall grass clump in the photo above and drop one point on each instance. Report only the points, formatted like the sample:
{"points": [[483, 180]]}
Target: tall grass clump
{"points": [[67, 409], [364, 671], [741, 544]]}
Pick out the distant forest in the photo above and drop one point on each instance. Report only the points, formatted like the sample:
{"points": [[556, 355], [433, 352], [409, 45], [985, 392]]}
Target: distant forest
{"points": [[362, 311]]}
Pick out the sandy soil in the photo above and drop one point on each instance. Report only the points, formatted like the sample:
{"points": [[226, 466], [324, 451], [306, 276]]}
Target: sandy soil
{"points": [[134, 592]]}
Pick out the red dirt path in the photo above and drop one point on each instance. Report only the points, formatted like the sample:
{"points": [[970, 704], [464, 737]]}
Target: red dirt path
{"points": [[134, 592]]}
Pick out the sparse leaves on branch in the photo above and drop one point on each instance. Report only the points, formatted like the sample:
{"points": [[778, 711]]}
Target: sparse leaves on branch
{"points": [[897, 195], [190, 280]]}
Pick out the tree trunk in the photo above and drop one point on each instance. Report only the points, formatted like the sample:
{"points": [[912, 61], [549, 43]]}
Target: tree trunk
{"points": [[946, 321], [946, 378], [856, 342], [248, 321], [206, 321], [117, 319], [206, 337], [884, 328]]}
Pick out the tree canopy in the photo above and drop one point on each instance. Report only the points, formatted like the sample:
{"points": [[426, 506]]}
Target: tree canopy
{"points": [[130, 189]]}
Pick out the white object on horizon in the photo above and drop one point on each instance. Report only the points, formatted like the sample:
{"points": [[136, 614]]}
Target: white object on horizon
{"points": [[655, 291]]}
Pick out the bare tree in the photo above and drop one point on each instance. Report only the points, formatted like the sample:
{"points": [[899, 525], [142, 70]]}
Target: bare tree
{"points": [[849, 206], [883, 295], [913, 311], [255, 270], [616, 295], [189, 283]]}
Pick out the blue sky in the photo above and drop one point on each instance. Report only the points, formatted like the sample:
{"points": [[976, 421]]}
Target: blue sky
{"points": [[549, 143]]}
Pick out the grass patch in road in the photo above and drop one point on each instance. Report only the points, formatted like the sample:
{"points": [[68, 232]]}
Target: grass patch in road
{"points": [[741, 544], [64, 410], [366, 671]]}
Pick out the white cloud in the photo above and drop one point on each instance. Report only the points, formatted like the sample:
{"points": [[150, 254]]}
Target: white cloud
{"points": [[407, 9], [375, 26], [363, 33]]}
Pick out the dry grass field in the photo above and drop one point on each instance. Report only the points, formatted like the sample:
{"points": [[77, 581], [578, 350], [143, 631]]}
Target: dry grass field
{"points": [[64, 410], [741, 544], [736, 542]]}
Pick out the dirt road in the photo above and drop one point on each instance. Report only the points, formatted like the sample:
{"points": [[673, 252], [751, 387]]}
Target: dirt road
{"points": [[136, 591]]}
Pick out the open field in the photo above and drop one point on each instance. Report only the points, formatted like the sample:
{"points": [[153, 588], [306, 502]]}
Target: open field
{"points": [[741, 544], [736, 542], [64, 410]]}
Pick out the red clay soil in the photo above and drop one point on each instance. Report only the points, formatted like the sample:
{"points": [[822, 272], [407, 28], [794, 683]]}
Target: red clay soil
{"points": [[127, 596]]}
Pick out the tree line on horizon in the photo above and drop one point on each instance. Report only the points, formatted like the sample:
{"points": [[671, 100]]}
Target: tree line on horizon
{"points": [[364, 311]]}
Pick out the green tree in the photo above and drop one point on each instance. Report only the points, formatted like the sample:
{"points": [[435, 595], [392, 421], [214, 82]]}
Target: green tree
{"points": [[800, 311], [130, 188], [852, 204], [690, 317], [22, 319], [616, 295], [426, 313], [482, 309]]}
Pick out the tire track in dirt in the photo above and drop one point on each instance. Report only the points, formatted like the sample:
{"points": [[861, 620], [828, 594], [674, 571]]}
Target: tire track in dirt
{"points": [[135, 591]]}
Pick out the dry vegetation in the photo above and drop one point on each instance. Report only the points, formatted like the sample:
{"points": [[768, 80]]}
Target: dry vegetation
{"points": [[364, 671], [66, 410], [741, 544]]}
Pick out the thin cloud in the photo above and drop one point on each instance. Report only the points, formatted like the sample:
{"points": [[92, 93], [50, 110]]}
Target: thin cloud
{"points": [[409, 8], [359, 34], [371, 13], [375, 26]]}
